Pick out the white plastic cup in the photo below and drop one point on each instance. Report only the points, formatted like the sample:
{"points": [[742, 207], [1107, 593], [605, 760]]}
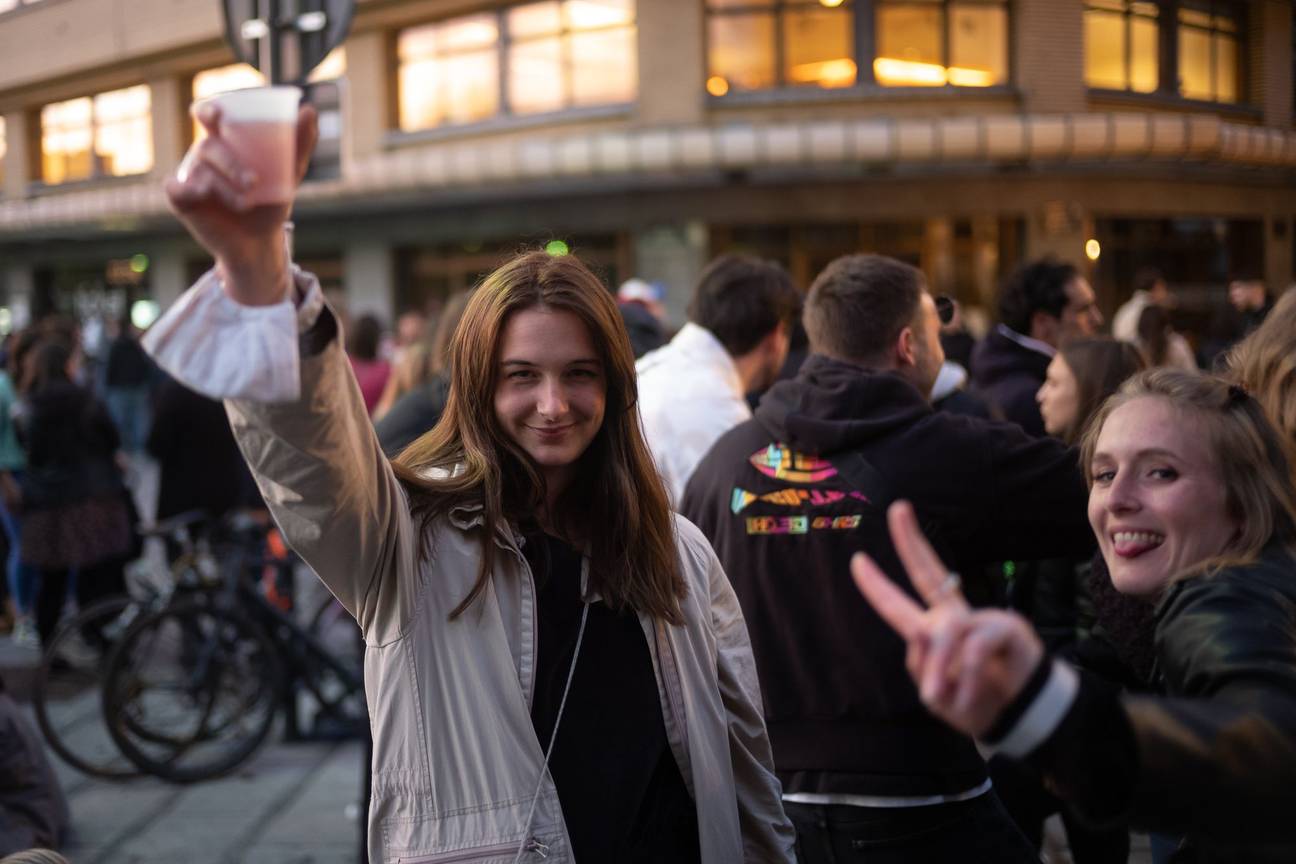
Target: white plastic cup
{"points": [[260, 126]]}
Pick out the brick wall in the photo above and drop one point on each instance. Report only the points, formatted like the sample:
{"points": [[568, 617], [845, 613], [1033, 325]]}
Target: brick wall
{"points": [[1048, 53]]}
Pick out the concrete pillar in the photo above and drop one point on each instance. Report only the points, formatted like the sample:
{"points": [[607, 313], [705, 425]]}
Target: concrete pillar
{"points": [[18, 158], [167, 275], [937, 256], [19, 286], [170, 105], [672, 84], [1048, 37], [366, 113], [368, 275], [673, 255], [1278, 254], [985, 263]]}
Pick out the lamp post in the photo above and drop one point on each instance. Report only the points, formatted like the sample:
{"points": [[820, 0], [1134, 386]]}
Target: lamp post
{"points": [[286, 39]]}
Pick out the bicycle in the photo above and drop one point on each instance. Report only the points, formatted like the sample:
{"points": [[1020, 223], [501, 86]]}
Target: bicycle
{"points": [[73, 661], [191, 691]]}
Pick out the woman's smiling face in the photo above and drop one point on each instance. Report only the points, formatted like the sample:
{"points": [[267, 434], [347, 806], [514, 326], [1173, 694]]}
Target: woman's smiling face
{"points": [[1158, 503], [551, 391]]}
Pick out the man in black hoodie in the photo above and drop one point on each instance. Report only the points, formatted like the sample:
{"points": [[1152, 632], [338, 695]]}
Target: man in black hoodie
{"points": [[787, 497]]}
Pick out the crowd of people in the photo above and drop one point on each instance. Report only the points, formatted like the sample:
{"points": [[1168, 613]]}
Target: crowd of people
{"points": [[796, 583]]}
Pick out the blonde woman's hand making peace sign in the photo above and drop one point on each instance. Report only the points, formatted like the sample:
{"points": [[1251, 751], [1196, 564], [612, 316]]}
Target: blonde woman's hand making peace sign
{"points": [[969, 665]]}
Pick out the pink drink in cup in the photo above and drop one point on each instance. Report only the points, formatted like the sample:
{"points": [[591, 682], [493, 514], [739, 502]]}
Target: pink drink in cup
{"points": [[260, 125]]}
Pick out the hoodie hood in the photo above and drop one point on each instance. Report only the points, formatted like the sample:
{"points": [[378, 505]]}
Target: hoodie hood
{"points": [[832, 405], [999, 357]]}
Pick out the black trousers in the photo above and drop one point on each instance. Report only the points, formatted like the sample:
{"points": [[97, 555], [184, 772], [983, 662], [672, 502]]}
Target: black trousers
{"points": [[93, 583], [976, 831]]}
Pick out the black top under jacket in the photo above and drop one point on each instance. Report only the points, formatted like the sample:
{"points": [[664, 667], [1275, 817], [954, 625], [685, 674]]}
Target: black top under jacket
{"points": [[622, 795]]}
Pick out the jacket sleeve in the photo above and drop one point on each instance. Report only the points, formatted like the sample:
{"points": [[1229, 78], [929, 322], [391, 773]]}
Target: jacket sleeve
{"points": [[296, 412], [767, 833], [331, 490], [1218, 761]]}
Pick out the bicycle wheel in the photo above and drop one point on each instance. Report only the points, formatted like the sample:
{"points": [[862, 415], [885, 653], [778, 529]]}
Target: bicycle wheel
{"points": [[66, 697], [191, 692]]}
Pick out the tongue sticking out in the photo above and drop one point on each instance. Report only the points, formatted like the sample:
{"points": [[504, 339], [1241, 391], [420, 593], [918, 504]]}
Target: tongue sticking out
{"points": [[1134, 545]]}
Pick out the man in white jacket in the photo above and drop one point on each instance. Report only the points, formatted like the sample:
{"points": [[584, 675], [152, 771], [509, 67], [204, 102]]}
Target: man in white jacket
{"points": [[692, 390]]}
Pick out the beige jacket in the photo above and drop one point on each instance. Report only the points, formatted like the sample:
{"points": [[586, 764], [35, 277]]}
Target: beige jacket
{"points": [[456, 760]]}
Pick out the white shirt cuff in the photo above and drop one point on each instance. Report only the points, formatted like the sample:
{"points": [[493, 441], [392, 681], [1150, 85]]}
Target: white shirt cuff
{"points": [[1044, 714], [226, 350]]}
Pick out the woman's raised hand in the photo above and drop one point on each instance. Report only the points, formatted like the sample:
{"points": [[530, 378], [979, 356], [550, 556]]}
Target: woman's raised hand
{"points": [[208, 194], [968, 664]]}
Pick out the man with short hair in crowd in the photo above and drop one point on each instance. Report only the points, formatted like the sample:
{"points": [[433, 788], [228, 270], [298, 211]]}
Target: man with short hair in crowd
{"points": [[691, 390], [787, 498], [1043, 304]]}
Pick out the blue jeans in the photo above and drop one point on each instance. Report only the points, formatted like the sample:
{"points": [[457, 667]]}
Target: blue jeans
{"points": [[129, 407], [21, 577], [973, 831]]}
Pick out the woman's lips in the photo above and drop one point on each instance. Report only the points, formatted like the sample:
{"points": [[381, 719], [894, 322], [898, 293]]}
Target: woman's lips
{"points": [[552, 431], [1131, 544]]}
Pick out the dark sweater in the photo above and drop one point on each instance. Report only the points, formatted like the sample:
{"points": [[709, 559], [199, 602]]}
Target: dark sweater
{"points": [[785, 502], [1009, 375]]}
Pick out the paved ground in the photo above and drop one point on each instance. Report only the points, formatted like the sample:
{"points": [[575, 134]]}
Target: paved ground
{"points": [[291, 804]]}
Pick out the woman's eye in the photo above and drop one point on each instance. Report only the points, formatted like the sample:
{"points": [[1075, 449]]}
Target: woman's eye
{"points": [[1104, 477], [520, 375], [1164, 473]]}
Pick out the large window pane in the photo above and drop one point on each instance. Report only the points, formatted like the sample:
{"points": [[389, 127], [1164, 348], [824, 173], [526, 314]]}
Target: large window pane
{"points": [[449, 72], [740, 52], [535, 19], [978, 45], [1145, 51], [1195, 64], [598, 14], [67, 136], [604, 69], [1104, 49], [1226, 68], [909, 50], [536, 76], [817, 48]]}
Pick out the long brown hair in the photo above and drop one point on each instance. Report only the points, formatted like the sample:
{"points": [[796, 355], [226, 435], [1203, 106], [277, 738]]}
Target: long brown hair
{"points": [[616, 506], [1100, 366], [1252, 458], [1265, 364]]}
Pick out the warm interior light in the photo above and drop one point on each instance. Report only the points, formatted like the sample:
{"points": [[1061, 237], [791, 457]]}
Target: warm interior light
{"points": [[717, 86], [826, 73], [1092, 249], [831, 4], [893, 72]]}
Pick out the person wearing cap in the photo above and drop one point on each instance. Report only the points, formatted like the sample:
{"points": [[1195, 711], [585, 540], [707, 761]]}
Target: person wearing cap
{"points": [[691, 391], [640, 304]]}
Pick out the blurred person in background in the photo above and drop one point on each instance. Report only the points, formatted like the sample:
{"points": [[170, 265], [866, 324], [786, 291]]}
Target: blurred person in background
{"points": [[1042, 304], [75, 511], [371, 371], [1248, 306], [127, 376], [419, 409], [1160, 344], [34, 816], [23, 579], [950, 392], [200, 467], [692, 390], [1265, 364], [1150, 289], [410, 367], [640, 304]]}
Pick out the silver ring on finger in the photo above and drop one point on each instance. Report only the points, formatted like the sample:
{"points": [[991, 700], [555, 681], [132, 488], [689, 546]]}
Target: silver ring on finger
{"points": [[952, 584]]}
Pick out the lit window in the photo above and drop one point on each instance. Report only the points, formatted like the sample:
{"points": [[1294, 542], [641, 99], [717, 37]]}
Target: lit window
{"points": [[1208, 51], [1121, 45], [222, 79], [526, 59], [931, 44], [108, 135], [760, 44]]}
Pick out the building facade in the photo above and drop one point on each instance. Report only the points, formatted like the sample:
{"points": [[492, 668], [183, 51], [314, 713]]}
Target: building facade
{"points": [[961, 135]]}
